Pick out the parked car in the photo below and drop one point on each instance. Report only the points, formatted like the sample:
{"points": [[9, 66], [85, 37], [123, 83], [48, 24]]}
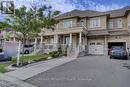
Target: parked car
{"points": [[3, 58], [28, 49], [118, 52]]}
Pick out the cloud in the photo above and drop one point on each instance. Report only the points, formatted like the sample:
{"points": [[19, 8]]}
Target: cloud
{"points": [[60, 5], [102, 7], [56, 4], [68, 5], [95, 5]]}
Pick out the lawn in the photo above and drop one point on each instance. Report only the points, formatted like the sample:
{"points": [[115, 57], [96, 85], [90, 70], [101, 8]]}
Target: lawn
{"points": [[30, 58], [25, 59], [3, 68]]}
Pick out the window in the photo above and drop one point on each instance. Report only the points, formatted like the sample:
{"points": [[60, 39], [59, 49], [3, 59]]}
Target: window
{"points": [[119, 23], [110, 24], [95, 23], [98, 43], [81, 22], [115, 23], [92, 43], [67, 23], [67, 40]]}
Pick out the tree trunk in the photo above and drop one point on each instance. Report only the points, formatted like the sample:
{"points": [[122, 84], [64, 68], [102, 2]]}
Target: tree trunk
{"points": [[23, 43]]}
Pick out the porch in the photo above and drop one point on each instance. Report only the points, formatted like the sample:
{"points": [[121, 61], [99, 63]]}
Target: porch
{"points": [[73, 43]]}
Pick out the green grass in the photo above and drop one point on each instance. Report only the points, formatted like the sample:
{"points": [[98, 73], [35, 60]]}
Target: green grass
{"points": [[30, 58], [25, 59], [2, 68]]}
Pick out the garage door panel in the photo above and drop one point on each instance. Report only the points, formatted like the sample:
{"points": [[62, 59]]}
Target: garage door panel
{"points": [[96, 47], [91, 48]]}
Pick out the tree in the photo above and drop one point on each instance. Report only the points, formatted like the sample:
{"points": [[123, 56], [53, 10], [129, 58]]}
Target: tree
{"points": [[27, 23]]}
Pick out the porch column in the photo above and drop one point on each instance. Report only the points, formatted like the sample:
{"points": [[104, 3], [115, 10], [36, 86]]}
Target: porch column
{"points": [[80, 38], [41, 42], [14, 39], [35, 45], [55, 40], [70, 39], [106, 47]]}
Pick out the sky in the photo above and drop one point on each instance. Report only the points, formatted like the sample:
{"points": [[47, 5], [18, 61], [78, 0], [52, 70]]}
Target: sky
{"points": [[68, 5]]}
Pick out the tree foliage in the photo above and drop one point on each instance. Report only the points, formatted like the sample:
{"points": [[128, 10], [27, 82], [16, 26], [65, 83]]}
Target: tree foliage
{"points": [[28, 22]]}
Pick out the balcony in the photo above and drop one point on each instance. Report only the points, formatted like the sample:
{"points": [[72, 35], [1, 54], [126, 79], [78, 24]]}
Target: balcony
{"points": [[75, 28]]}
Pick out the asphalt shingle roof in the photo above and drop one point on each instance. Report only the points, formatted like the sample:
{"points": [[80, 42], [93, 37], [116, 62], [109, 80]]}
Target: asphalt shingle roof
{"points": [[91, 13]]}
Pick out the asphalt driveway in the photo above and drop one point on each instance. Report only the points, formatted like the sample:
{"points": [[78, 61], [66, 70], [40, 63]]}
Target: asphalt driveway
{"points": [[90, 71]]}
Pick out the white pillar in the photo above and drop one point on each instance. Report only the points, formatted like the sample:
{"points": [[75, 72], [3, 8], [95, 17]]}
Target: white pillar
{"points": [[35, 45], [55, 38], [70, 39], [80, 38], [41, 40], [14, 39]]}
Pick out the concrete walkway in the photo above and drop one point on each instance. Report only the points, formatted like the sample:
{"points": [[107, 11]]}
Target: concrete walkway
{"points": [[8, 81], [36, 68]]}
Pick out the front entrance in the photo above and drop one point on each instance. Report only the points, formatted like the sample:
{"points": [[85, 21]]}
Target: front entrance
{"points": [[96, 47]]}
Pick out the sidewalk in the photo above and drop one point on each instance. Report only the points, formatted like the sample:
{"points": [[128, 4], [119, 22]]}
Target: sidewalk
{"points": [[36, 68], [7, 81]]}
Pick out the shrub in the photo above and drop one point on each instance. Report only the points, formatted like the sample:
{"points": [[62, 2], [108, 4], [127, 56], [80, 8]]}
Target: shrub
{"points": [[54, 54]]}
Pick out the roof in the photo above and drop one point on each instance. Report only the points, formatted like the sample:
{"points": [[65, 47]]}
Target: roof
{"points": [[91, 13]]}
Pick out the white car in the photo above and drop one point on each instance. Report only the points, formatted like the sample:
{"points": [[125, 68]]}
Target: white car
{"points": [[28, 49]]}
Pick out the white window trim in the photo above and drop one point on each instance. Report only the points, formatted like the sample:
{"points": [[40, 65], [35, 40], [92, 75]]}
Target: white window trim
{"points": [[119, 25], [110, 24], [68, 24], [93, 21]]}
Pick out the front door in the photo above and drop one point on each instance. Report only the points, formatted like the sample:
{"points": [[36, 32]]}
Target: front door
{"points": [[67, 40]]}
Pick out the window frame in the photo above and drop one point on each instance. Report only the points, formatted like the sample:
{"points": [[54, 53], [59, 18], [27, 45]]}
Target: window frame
{"points": [[95, 22], [67, 23]]}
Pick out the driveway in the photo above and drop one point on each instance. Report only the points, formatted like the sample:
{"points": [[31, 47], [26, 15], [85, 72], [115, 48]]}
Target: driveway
{"points": [[90, 71]]}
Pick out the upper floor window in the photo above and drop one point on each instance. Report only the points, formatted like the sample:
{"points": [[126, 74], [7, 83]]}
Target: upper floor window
{"points": [[110, 24], [119, 23], [115, 23], [67, 23], [81, 22], [95, 22]]}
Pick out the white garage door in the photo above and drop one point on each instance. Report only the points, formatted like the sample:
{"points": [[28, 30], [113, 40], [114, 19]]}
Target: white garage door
{"points": [[96, 47]]}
